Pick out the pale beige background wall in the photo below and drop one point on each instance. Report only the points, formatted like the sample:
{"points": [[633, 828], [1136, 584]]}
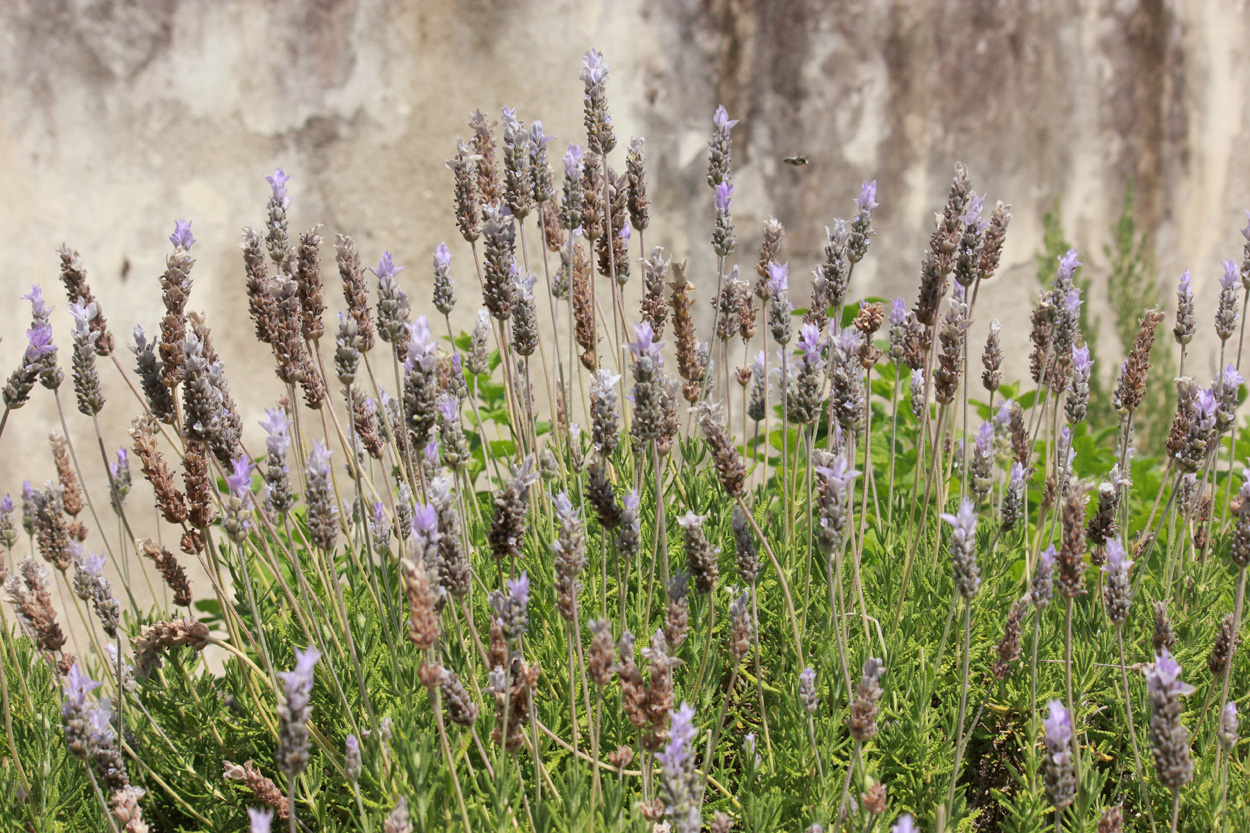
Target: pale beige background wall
{"points": [[116, 118]]}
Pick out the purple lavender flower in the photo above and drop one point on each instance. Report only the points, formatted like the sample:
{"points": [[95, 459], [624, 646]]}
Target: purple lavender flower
{"points": [[1043, 578], [898, 312], [278, 183], [1060, 770], [778, 279], [39, 309], [1067, 267], [260, 820], [182, 236], [645, 345], [574, 161], [1003, 415], [420, 341], [867, 200], [351, 758], [276, 425], [76, 688], [1081, 362], [1058, 726], [39, 342], [594, 68], [386, 267], [8, 532], [905, 825], [240, 482], [724, 197], [519, 589], [721, 119], [1230, 277], [442, 256], [812, 345], [985, 437], [449, 408]]}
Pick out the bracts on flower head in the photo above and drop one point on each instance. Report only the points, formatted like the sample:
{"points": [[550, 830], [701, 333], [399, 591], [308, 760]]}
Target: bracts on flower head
{"points": [[599, 135], [1118, 593], [1059, 767], [1131, 384], [74, 276], [424, 596], [701, 556], [323, 513], [1223, 647], [746, 546], [992, 242], [158, 637], [991, 358], [1185, 326], [862, 720], [1008, 649], [963, 548], [1071, 558], [677, 610], [294, 710], [629, 532], [683, 787], [512, 607], [730, 468], [1169, 739], [720, 148], [28, 592], [508, 527], [569, 551], [741, 625]]}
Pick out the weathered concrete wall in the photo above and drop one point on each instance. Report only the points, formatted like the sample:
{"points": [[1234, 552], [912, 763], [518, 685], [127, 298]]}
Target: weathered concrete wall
{"points": [[116, 118]]}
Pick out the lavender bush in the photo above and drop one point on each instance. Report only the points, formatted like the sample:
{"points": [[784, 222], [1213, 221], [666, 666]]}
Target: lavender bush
{"points": [[592, 567]]}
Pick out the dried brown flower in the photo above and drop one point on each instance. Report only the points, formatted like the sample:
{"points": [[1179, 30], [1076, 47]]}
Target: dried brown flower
{"points": [[160, 636]]}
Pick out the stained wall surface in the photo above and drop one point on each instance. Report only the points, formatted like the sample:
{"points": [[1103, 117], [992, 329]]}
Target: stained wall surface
{"points": [[117, 118]]}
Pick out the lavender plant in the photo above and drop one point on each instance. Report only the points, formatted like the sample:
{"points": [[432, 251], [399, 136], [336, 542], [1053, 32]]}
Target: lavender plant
{"points": [[389, 535]]}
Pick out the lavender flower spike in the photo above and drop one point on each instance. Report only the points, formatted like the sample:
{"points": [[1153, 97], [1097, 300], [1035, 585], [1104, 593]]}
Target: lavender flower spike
{"points": [[683, 788], [294, 709], [963, 548]]}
